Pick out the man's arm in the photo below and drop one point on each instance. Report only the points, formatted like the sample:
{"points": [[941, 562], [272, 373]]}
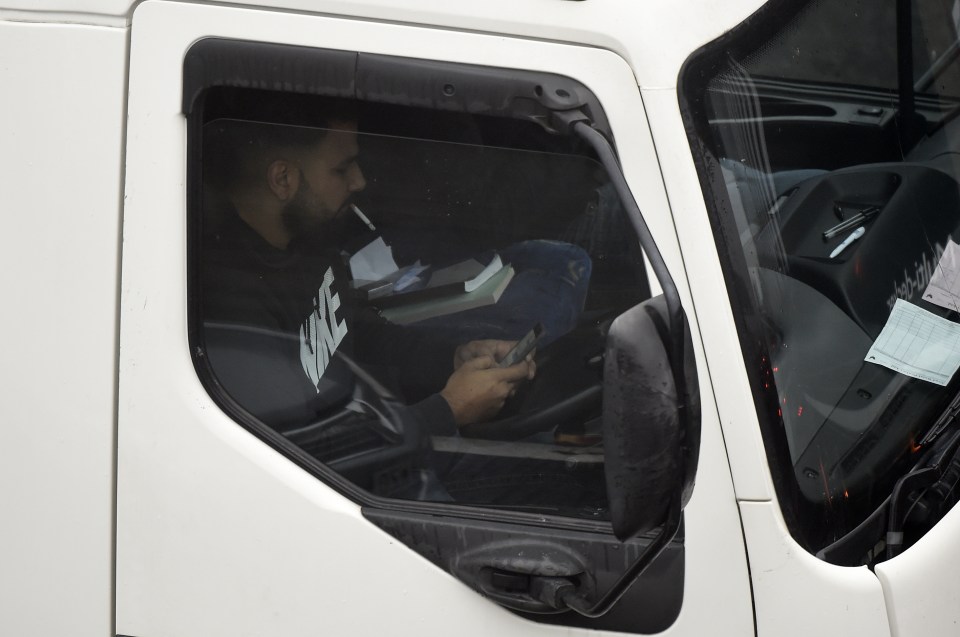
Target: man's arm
{"points": [[477, 388]]}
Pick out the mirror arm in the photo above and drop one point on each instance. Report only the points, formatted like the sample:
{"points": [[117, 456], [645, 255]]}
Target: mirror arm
{"points": [[608, 159], [668, 531]]}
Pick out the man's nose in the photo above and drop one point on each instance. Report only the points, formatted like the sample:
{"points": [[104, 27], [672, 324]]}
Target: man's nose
{"points": [[357, 180]]}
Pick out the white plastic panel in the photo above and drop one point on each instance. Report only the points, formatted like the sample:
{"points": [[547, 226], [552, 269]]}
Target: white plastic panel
{"points": [[798, 595], [219, 535], [922, 585], [61, 124]]}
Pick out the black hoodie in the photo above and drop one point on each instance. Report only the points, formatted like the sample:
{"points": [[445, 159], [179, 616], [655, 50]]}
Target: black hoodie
{"points": [[285, 337]]}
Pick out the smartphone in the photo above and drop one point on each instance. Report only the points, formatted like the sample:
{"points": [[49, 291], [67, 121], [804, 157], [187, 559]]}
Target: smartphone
{"points": [[523, 347]]}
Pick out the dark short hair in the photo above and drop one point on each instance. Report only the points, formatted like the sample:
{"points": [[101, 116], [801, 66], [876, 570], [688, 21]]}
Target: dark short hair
{"points": [[236, 149]]}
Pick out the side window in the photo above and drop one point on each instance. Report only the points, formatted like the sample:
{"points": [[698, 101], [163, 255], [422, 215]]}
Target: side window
{"points": [[363, 270], [830, 167]]}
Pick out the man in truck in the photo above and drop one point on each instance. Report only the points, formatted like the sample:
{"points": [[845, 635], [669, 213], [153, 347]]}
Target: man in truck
{"points": [[284, 338]]}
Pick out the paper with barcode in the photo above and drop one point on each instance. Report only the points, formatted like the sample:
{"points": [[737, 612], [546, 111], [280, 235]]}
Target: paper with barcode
{"points": [[944, 286], [918, 343]]}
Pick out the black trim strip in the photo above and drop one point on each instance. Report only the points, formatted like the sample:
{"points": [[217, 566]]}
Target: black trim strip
{"points": [[215, 62], [443, 86]]}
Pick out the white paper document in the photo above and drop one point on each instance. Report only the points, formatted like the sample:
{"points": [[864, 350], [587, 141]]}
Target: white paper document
{"points": [[944, 286], [917, 343], [373, 262]]}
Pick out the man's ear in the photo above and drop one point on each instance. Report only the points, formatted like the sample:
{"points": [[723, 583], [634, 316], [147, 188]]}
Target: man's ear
{"points": [[283, 178]]}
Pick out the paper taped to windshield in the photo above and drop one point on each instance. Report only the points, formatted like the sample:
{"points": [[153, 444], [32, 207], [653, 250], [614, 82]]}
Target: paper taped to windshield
{"points": [[919, 344]]}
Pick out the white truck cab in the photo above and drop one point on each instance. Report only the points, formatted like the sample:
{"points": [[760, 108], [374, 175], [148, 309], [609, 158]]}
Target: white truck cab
{"points": [[745, 426]]}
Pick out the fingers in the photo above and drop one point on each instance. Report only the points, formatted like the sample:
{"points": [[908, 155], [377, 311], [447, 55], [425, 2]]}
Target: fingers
{"points": [[485, 347], [460, 356], [531, 367], [480, 362], [475, 349], [502, 348], [523, 370]]}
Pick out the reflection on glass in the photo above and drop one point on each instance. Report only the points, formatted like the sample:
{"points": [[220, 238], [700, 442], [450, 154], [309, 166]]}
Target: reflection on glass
{"points": [[360, 291]]}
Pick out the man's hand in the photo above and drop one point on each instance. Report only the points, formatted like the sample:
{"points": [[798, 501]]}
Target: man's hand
{"points": [[478, 388], [492, 348]]}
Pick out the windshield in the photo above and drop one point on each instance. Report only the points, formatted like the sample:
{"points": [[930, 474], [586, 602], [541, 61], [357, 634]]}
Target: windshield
{"points": [[831, 155]]}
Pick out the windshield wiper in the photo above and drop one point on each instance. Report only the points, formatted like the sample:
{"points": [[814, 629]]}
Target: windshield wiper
{"points": [[947, 418], [929, 486]]}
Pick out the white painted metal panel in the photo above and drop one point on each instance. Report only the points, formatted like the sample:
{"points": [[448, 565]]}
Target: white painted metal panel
{"points": [[741, 431], [110, 13], [61, 124], [798, 595], [654, 36], [922, 585], [218, 534], [90, 7]]}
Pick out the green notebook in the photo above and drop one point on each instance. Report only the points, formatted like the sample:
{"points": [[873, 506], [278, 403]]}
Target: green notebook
{"points": [[487, 294]]}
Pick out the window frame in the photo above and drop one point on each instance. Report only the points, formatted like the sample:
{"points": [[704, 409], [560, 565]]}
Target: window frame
{"points": [[220, 62], [706, 62]]}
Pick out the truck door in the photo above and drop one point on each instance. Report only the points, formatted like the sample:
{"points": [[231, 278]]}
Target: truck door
{"points": [[292, 469]]}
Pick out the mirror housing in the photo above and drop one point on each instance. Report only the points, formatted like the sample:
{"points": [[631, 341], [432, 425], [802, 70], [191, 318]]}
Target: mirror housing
{"points": [[651, 431]]}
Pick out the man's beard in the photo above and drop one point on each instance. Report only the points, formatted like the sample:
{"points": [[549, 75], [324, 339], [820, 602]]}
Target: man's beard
{"points": [[310, 224]]}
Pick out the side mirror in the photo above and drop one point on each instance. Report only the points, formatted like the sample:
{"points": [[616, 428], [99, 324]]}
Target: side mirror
{"points": [[651, 436], [651, 431]]}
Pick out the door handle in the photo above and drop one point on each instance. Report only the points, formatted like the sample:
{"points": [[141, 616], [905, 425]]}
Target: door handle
{"points": [[527, 592], [525, 574]]}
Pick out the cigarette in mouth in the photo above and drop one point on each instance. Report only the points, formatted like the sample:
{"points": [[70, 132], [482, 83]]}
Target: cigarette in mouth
{"points": [[362, 216]]}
